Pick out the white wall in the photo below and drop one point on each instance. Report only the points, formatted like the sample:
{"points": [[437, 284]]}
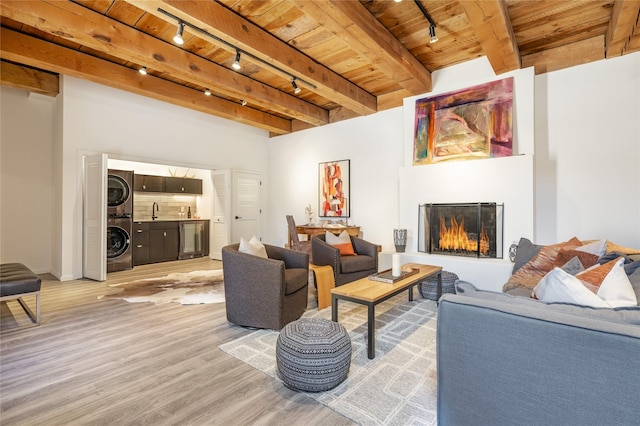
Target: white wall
{"points": [[26, 191], [374, 146], [588, 152]]}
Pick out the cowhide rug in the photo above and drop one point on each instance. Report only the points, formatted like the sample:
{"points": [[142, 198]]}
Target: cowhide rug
{"points": [[187, 288]]}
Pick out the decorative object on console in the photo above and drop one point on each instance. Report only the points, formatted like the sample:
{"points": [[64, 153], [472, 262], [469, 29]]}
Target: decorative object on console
{"points": [[400, 239], [308, 211], [334, 189], [469, 124]]}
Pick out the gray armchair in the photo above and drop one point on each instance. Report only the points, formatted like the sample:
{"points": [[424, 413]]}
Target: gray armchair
{"points": [[265, 293], [346, 268]]}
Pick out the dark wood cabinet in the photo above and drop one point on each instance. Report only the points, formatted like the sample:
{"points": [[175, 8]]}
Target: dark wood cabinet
{"points": [[148, 183], [155, 242], [183, 185]]}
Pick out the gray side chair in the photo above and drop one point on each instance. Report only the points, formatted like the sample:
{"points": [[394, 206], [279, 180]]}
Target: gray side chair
{"points": [[265, 293], [346, 268], [296, 244]]}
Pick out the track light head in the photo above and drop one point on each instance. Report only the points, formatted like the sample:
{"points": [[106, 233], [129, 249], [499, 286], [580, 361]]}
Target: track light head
{"points": [[143, 70], [207, 92], [178, 37], [243, 102], [432, 34], [236, 63], [296, 89]]}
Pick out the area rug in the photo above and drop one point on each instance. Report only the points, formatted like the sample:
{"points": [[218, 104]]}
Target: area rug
{"points": [[187, 288], [397, 387]]}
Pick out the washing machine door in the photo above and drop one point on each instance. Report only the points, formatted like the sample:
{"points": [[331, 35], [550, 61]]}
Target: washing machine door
{"points": [[117, 242], [118, 191]]}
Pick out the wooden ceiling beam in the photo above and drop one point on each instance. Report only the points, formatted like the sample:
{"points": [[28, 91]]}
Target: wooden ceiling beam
{"points": [[39, 53], [364, 34], [492, 26], [581, 52], [84, 26], [216, 19], [27, 78], [624, 25]]}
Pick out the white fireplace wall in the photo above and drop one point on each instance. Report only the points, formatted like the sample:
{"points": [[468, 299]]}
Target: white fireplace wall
{"points": [[507, 180]]}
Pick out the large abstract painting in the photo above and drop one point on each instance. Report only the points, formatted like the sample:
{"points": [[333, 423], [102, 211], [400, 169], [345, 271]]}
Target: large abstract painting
{"points": [[334, 189], [468, 124]]}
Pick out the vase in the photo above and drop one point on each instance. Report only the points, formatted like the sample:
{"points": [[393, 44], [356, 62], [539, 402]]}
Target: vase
{"points": [[400, 239]]}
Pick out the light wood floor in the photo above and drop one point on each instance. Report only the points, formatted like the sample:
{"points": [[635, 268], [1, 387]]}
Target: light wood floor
{"points": [[110, 362]]}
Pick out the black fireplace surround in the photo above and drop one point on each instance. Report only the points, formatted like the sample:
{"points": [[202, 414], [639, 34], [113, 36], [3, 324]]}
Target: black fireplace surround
{"points": [[461, 229]]}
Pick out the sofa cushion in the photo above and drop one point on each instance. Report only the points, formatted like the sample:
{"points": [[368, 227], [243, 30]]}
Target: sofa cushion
{"points": [[295, 279], [356, 263], [624, 315]]}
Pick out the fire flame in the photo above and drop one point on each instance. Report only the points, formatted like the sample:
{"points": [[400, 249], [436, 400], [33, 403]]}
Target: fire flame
{"points": [[455, 238]]}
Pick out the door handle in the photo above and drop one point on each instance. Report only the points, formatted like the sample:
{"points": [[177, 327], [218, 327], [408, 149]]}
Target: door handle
{"points": [[238, 217]]}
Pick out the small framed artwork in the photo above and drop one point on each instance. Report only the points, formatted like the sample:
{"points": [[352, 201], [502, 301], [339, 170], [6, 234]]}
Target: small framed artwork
{"points": [[333, 178]]}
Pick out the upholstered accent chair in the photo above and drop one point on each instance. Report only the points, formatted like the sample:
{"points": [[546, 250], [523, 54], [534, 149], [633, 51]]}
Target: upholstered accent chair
{"points": [[346, 268], [265, 293], [296, 244]]}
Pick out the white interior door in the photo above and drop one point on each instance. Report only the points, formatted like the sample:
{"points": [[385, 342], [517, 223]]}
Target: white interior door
{"points": [[246, 210], [94, 212], [221, 212]]}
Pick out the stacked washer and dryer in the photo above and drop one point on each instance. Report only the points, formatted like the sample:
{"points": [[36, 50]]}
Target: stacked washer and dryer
{"points": [[119, 220]]}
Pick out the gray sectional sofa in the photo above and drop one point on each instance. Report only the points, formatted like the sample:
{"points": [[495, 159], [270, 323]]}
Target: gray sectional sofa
{"points": [[511, 360]]}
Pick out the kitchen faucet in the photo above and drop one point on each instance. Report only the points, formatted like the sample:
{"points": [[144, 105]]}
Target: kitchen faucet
{"points": [[153, 210]]}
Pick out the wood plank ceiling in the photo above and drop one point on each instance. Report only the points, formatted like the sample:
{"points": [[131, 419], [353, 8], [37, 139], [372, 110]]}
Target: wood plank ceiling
{"points": [[348, 58]]}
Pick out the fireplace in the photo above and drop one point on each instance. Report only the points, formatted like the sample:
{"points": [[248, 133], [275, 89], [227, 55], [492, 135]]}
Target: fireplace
{"points": [[462, 229]]}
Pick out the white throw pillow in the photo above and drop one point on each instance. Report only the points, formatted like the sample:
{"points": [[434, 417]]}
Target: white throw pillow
{"points": [[616, 288], [599, 248], [254, 247], [333, 239], [558, 286]]}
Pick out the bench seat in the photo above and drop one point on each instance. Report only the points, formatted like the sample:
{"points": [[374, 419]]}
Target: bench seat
{"points": [[17, 281]]}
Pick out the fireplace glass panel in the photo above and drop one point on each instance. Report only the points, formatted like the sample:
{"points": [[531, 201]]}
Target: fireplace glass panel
{"points": [[462, 229]]}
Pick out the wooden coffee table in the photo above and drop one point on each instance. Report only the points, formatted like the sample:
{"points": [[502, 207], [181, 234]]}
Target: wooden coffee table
{"points": [[368, 292]]}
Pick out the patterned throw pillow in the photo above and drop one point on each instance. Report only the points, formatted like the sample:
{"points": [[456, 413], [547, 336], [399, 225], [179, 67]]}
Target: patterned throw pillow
{"points": [[342, 242], [533, 271]]}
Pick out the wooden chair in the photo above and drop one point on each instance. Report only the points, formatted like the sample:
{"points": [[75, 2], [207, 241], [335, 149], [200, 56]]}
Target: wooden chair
{"points": [[296, 244]]}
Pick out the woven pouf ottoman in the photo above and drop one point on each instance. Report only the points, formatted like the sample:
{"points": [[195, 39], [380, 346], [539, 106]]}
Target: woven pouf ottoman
{"points": [[313, 354], [429, 287]]}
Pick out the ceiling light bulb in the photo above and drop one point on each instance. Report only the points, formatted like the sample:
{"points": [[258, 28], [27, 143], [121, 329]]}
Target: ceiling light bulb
{"points": [[236, 63], [207, 92], [432, 33], [178, 37], [143, 70], [397, 1], [243, 102], [296, 89]]}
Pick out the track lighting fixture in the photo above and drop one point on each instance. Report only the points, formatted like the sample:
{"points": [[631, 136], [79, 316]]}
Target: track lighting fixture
{"points": [[432, 34], [296, 89], [432, 25], [243, 102], [207, 92], [178, 37], [236, 63], [143, 70]]}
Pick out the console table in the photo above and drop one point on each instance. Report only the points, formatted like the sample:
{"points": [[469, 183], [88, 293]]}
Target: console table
{"points": [[311, 230]]}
